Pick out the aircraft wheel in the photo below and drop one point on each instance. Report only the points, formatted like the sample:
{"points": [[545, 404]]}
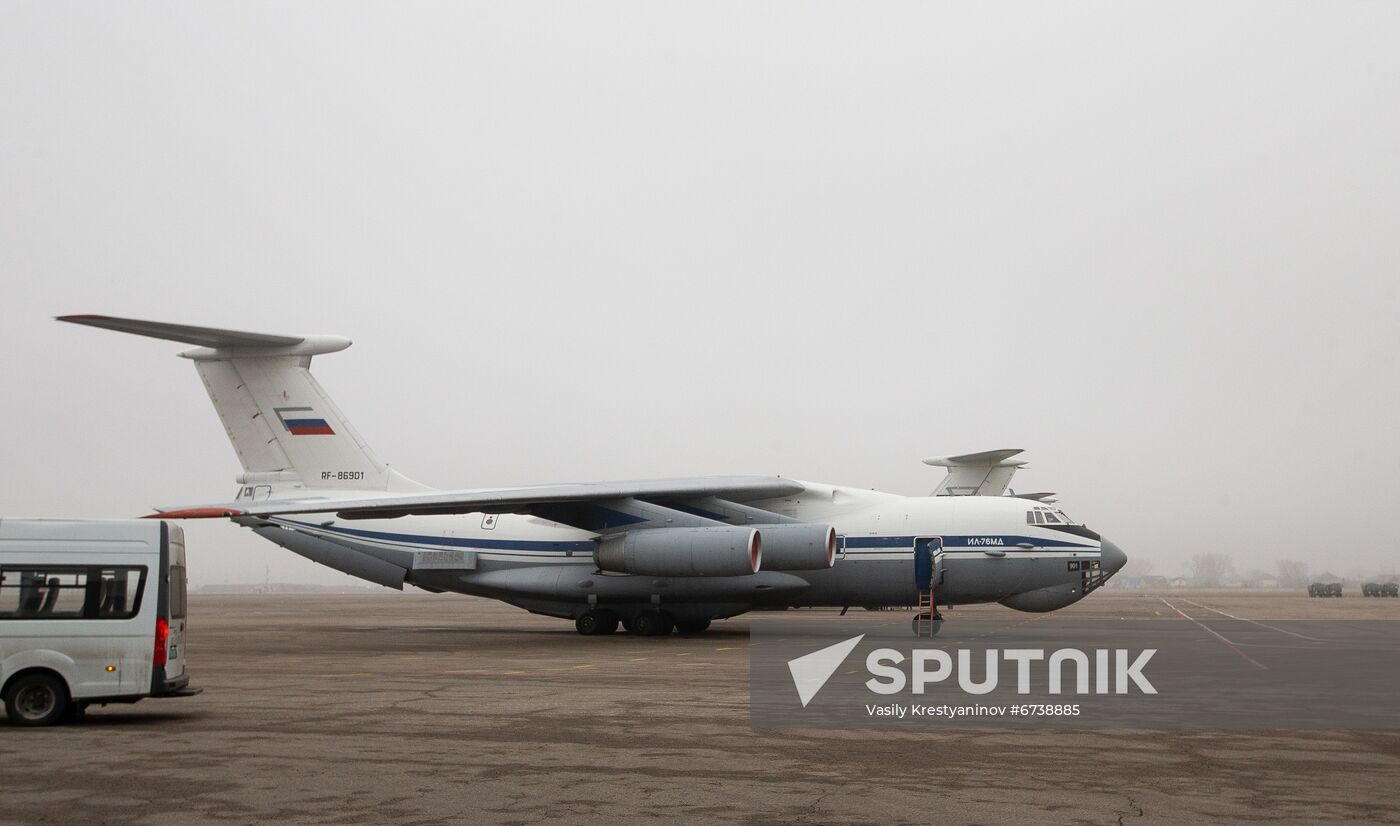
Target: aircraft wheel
{"points": [[36, 699], [692, 626], [593, 623], [921, 627], [651, 624]]}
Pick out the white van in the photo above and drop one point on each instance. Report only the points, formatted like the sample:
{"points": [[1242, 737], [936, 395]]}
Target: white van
{"points": [[90, 612]]}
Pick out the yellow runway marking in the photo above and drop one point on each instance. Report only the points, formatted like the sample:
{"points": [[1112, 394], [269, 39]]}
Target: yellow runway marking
{"points": [[683, 654], [638, 659], [727, 648], [583, 666], [513, 673]]}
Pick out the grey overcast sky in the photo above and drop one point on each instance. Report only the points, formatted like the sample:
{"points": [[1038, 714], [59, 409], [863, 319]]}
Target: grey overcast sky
{"points": [[1155, 244]]}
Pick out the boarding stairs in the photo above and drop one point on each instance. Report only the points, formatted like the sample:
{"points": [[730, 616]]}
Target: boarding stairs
{"points": [[927, 612], [927, 620]]}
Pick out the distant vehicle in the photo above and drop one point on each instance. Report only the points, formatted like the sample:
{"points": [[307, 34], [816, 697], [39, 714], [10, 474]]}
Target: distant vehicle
{"points": [[1325, 589], [90, 612], [1379, 589]]}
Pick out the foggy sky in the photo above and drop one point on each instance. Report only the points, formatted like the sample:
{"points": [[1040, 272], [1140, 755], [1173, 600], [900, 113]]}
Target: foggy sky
{"points": [[1156, 245]]}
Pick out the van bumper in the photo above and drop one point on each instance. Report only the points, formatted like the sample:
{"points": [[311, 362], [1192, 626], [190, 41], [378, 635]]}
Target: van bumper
{"points": [[176, 687]]}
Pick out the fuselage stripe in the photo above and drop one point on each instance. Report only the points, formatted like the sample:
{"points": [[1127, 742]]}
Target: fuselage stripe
{"points": [[855, 545]]}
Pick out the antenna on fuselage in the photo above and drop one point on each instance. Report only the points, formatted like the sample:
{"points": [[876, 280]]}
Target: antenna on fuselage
{"points": [[977, 474]]}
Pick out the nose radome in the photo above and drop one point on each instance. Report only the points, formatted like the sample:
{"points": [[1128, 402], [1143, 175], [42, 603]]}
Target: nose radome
{"points": [[1111, 557]]}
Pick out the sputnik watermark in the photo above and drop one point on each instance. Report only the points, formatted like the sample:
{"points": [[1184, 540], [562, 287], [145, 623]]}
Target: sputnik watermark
{"points": [[811, 671], [888, 679], [1114, 671], [867, 671]]}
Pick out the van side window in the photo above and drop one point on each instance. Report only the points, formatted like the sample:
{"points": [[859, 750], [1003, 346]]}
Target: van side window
{"points": [[55, 592], [70, 592], [119, 594]]}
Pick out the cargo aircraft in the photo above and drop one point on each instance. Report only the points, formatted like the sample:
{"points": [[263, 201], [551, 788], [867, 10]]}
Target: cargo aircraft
{"points": [[655, 555]]}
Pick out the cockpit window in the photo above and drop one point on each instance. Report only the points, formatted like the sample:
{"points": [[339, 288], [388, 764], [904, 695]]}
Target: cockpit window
{"points": [[1051, 516]]}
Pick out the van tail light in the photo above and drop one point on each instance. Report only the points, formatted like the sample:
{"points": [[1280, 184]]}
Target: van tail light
{"points": [[162, 637]]}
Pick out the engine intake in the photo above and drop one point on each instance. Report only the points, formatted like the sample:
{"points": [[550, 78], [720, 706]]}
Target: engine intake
{"points": [[716, 551], [798, 547]]}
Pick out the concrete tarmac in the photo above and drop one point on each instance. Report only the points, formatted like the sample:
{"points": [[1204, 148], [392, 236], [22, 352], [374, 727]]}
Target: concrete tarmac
{"points": [[420, 708]]}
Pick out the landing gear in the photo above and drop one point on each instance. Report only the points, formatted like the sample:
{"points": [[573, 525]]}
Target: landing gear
{"points": [[927, 625], [651, 624], [592, 623]]}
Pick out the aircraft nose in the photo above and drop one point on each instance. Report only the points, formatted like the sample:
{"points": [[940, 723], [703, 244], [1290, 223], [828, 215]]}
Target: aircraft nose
{"points": [[1112, 558]]}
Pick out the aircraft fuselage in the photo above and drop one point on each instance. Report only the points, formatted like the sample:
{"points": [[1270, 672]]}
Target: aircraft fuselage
{"points": [[982, 549]]}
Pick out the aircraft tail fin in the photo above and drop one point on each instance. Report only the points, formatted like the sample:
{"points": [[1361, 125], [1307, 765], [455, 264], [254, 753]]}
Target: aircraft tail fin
{"points": [[286, 430]]}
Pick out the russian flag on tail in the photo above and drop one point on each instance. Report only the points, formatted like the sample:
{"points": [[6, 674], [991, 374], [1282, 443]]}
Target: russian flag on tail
{"points": [[303, 421]]}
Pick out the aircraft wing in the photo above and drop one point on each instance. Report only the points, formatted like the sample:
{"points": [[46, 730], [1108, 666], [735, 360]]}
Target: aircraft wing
{"points": [[977, 474], [500, 500]]}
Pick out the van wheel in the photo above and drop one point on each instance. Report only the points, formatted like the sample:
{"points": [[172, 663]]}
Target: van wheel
{"points": [[38, 699]]}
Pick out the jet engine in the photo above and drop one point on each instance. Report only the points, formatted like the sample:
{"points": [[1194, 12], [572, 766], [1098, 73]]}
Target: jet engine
{"points": [[798, 547], [709, 551]]}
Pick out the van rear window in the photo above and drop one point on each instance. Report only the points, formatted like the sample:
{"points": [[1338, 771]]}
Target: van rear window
{"points": [[71, 591], [177, 591]]}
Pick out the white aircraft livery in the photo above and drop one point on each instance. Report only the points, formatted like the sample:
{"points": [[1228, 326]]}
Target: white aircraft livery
{"points": [[655, 555]]}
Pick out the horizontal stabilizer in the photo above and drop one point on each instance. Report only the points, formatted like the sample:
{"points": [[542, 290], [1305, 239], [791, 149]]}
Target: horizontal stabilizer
{"points": [[201, 336], [977, 474]]}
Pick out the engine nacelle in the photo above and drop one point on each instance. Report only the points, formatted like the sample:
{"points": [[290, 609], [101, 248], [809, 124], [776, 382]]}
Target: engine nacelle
{"points": [[717, 551], [798, 547]]}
